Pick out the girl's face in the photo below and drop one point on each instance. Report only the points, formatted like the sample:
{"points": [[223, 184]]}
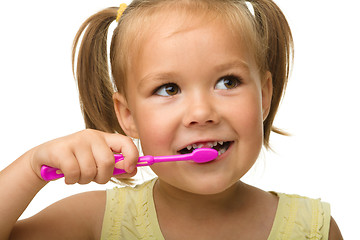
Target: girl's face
{"points": [[193, 84]]}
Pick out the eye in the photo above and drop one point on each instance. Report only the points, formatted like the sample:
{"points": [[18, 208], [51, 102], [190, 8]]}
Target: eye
{"points": [[166, 90], [228, 82]]}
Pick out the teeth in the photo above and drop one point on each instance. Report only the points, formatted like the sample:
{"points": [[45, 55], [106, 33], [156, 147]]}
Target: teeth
{"points": [[209, 144], [221, 151], [195, 146], [221, 148]]}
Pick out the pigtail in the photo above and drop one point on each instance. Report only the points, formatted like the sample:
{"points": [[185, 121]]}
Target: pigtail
{"points": [[92, 73], [276, 36]]}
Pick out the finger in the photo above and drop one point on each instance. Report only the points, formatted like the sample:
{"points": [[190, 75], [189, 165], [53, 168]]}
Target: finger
{"points": [[105, 162], [125, 175], [125, 145], [70, 168], [88, 168], [51, 154]]}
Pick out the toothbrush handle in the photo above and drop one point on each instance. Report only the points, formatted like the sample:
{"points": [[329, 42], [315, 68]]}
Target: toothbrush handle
{"points": [[50, 173]]}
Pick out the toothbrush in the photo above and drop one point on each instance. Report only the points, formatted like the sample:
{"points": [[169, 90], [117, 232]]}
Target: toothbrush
{"points": [[200, 155]]}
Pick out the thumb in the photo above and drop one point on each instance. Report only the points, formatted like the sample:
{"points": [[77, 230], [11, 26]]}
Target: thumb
{"points": [[126, 146]]}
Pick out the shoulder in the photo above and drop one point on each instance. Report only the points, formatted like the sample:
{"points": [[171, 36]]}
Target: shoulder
{"points": [[334, 232], [305, 216], [82, 211], [78, 216]]}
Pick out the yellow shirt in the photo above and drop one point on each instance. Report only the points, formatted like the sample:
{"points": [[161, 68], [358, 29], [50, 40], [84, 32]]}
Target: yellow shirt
{"points": [[130, 214]]}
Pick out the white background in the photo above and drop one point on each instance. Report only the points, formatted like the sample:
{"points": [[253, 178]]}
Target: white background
{"points": [[39, 101]]}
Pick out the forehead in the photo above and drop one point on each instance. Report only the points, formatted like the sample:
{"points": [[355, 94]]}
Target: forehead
{"points": [[145, 22], [163, 25], [182, 49], [190, 35], [184, 17]]}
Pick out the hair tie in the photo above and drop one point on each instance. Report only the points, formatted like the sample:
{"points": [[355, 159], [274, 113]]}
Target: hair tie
{"points": [[120, 11], [250, 7]]}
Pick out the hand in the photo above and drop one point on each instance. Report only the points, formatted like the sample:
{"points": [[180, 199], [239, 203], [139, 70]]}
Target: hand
{"points": [[86, 156]]}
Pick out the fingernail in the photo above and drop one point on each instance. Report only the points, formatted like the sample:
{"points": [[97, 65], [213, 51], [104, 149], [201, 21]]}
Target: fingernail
{"points": [[118, 165]]}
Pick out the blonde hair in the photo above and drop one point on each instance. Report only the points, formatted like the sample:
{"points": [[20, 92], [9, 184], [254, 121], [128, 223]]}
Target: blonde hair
{"points": [[264, 27]]}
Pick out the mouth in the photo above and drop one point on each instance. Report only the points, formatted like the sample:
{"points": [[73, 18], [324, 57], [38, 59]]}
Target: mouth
{"points": [[219, 146]]}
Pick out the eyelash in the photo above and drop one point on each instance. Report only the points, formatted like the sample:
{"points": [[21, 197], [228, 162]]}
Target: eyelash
{"points": [[236, 80], [176, 89], [164, 86]]}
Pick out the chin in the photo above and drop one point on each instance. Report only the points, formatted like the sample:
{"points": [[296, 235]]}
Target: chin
{"points": [[211, 186]]}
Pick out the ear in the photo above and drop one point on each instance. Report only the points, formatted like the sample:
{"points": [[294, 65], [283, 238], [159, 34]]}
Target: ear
{"points": [[266, 93], [124, 115]]}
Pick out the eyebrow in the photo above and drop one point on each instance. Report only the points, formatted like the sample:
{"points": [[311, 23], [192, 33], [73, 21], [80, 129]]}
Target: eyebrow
{"points": [[158, 76], [233, 64], [165, 76]]}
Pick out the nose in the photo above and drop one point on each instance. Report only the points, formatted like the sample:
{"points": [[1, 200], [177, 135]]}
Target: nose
{"points": [[200, 111]]}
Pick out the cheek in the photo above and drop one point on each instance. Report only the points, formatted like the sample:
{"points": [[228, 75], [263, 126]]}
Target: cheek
{"points": [[156, 130], [246, 115]]}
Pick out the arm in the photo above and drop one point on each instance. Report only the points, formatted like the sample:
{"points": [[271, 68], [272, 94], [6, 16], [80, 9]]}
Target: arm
{"points": [[19, 185], [76, 217], [83, 157]]}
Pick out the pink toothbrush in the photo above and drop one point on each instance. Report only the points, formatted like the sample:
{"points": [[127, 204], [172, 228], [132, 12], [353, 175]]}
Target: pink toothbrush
{"points": [[200, 155]]}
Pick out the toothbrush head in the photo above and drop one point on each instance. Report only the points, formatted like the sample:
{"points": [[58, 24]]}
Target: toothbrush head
{"points": [[203, 155]]}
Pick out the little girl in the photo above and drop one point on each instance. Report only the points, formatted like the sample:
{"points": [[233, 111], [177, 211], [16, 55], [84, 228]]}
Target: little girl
{"points": [[185, 74]]}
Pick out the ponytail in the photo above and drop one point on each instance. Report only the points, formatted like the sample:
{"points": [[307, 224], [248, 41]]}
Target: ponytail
{"points": [[92, 72], [276, 36]]}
